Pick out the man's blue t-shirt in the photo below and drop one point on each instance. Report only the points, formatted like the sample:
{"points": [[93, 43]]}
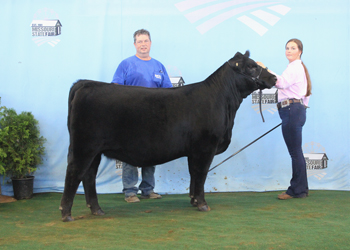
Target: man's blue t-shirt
{"points": [[136, 72]]}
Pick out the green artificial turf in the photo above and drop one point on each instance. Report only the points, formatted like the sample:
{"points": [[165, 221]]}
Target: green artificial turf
{"points": [[245, 220]]}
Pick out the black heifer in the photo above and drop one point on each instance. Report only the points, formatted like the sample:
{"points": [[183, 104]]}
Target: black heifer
{"points": [[144, 126]]}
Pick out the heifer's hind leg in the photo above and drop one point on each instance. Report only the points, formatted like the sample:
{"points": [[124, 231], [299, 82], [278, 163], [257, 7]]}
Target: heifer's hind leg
{"points": [[70, 188], [198, 167], [89, 182], [76, 169]]}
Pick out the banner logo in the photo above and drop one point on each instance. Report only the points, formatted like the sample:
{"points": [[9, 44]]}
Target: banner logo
{"points": [[269, 99], [47, 28], [316, 160], [259, 15]]}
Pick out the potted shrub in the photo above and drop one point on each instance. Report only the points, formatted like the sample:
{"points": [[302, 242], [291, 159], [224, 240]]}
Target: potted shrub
{"points": [[3, 198], [21, 150]]}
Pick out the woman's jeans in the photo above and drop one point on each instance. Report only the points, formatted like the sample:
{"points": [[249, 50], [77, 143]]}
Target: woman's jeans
{"points": [[293, 119], [130, 177]]}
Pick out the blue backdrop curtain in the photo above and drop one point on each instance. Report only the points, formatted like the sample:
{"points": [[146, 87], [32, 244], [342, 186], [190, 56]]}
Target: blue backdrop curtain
{"points": [[192, 38]]}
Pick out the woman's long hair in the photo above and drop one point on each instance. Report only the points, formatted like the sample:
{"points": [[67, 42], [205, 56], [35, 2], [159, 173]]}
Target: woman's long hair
{"points": [[300, 47]]}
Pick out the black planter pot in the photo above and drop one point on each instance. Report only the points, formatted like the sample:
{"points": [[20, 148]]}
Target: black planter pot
{"points": [[23, 188]]}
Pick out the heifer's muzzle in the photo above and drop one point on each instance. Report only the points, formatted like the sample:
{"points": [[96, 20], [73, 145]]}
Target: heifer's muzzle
{"points": [[260, 83]]}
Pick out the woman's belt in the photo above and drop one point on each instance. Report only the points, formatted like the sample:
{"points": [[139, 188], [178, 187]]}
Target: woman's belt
{"points": [[287, 102]]}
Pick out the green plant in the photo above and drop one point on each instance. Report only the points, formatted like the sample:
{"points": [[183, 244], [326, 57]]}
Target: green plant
{"points": [[21, 146]]}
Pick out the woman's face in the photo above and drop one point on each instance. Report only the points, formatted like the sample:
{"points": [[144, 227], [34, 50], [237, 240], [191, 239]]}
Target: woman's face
{"points": [[292, 52]]}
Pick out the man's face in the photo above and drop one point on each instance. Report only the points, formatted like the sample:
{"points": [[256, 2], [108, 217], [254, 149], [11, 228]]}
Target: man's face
{"points": [[142, 46]]}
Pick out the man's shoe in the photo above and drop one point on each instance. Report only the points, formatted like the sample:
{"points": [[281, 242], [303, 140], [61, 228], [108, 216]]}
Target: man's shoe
{"points": [[152, 195], [284, 196], [132, 199]]}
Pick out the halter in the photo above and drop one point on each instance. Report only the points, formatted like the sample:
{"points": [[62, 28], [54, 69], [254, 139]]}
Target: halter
{"points": [[257, 78], [256, 81]]}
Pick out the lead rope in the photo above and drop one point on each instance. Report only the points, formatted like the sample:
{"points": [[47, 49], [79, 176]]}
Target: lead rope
{"points": [[245, 147], [260, 97]]}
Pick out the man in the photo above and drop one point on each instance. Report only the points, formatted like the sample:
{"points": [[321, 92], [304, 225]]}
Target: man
{"points": [[141, 70]]}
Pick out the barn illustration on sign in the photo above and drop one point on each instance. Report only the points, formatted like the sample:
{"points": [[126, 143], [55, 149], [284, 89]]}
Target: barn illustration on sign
{"points": [[316, 161], [177, 81], [49, 27], [269, 96]]}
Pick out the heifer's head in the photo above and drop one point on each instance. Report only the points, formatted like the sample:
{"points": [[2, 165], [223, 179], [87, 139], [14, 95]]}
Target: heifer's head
{"points": [[258, 77]]}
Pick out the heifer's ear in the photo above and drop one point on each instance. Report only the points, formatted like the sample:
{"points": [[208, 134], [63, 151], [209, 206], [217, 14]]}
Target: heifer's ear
{"points": [[246, 58]]}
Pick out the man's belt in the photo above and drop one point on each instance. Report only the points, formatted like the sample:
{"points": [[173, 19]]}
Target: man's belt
{"points": [[287, 102]]}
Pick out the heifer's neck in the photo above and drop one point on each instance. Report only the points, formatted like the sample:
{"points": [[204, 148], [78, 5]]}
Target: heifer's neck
{"points": [[231, 87], [246, 86], [223, 84], [231, 83]]}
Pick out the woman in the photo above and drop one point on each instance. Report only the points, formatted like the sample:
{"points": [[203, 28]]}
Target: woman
{"points": [[294, 90]]}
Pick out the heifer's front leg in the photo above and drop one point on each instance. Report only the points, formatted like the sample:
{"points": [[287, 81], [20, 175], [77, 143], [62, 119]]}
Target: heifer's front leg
{"points": [[193, 201], [198, 167], [89, 183]]}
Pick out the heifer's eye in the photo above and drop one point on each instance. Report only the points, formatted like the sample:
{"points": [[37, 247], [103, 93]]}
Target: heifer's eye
{"points": [[251, 67]]}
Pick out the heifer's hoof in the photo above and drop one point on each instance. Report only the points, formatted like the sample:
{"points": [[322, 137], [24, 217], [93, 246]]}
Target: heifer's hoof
{"points": [[204, 208], [67, 219], [98, 212]]}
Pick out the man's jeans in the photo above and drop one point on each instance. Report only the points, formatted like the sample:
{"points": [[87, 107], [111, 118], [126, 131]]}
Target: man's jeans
{"points": [[130, 178], [293, 119]]}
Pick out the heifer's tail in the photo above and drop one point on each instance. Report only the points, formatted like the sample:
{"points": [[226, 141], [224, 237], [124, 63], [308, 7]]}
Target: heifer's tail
{"points": [[76, 86]]}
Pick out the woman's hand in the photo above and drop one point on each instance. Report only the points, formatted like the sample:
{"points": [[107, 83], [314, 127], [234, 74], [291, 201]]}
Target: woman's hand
{"points": [[261, 64]]}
